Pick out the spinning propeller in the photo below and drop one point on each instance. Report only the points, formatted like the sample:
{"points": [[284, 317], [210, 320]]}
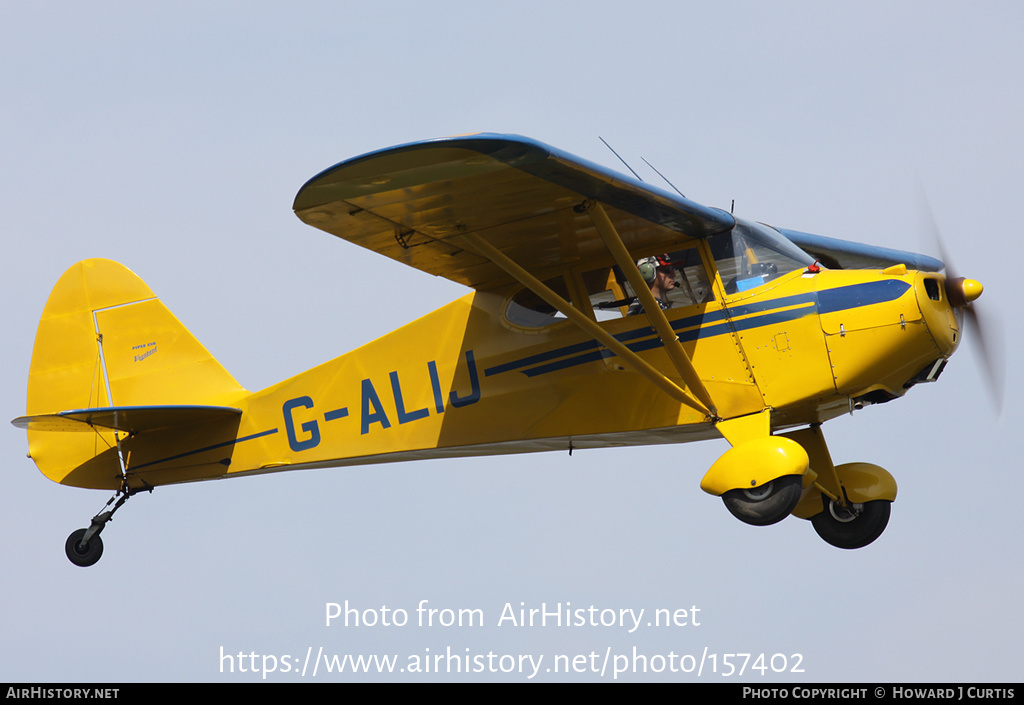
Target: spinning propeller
{"points": [[961, 294]]}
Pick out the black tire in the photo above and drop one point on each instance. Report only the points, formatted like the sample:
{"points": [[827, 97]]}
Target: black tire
{"points": [[852, 528], [83, 556], [768, 504]]}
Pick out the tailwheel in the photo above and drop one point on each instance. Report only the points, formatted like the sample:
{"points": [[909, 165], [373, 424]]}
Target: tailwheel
{"points": [[852, 526], [766, 504], [84, 546], [83, 553]]}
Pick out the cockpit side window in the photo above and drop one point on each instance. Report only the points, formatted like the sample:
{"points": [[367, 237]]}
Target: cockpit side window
{"points": [[527, 310], [692, 285], [605, 294]]}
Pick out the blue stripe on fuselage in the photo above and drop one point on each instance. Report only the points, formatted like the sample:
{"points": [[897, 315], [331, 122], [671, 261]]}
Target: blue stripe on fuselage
{"points": [[857, 295], [710, 324]]}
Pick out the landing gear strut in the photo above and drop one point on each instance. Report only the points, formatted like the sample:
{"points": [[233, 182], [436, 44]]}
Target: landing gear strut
{"points": [[84, 546], [849, 504]]}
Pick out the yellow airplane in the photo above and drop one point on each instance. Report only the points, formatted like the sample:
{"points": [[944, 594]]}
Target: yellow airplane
{"points": [[603, 312]]}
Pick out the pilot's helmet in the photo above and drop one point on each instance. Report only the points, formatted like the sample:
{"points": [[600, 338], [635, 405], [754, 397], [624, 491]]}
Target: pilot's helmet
{"points": [[649, 266]]}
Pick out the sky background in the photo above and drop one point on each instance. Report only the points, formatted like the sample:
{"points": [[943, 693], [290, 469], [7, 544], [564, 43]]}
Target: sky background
{"points": [[174, 138]]}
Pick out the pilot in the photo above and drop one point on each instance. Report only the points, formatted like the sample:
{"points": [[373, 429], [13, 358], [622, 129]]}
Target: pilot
{"points": [[660, 275]]}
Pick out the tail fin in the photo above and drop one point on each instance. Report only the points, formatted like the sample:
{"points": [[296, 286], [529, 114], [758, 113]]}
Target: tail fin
{"points": [[105, 340]]}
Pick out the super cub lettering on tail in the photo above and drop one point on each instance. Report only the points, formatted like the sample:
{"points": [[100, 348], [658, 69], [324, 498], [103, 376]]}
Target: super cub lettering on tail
{"points": [[601, 311]]}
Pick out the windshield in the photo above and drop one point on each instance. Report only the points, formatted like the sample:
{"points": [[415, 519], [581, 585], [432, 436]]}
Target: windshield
{"points": [[752, 254]]}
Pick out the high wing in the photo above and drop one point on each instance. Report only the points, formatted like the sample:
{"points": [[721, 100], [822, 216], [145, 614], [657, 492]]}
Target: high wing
{"points": [[842, 254], [415, 202]]}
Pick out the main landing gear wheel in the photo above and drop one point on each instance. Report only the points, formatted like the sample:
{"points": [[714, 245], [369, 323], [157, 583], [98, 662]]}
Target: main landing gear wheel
{"points": [[854, 526], [83, 555], [768, 504]]}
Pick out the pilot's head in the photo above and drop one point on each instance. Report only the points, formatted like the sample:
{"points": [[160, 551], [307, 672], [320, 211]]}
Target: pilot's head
{"points": [[657, 270]]}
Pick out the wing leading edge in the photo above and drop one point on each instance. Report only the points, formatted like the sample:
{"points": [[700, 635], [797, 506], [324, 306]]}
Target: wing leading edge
{"points": [[414, 203]]}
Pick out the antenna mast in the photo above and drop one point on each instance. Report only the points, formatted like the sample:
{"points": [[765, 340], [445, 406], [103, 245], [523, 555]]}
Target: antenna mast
{"points": [[620, 158]]}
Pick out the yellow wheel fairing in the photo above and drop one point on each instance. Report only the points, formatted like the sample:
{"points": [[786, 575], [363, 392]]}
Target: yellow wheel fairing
{"points": [[755, 463], [864, 482], [859, 483]]}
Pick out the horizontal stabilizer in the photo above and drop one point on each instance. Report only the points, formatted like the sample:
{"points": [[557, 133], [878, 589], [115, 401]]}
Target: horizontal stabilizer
{"points": [[130, 419]]}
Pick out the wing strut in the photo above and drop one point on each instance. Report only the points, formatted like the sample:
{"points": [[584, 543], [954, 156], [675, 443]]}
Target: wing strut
{"points": [[582, 321], [654, 313]]}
